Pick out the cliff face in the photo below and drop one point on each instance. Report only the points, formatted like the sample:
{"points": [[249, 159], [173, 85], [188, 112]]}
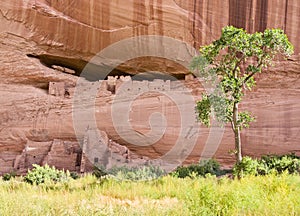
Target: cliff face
{"points": [[44, 41], [68, 25]]}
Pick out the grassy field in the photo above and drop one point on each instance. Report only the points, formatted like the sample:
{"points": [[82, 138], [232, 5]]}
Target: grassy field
{"points": [[267, 195]]}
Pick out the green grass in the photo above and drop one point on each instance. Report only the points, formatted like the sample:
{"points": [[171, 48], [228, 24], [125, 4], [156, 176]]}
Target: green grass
{"points": [[261, 195]]}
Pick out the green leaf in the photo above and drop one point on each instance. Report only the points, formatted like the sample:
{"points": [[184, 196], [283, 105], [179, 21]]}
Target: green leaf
{"points": [[244, 119], [203, 108]]}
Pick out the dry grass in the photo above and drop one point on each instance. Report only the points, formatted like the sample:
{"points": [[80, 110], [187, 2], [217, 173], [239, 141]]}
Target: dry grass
{"points": [[268, 195]]}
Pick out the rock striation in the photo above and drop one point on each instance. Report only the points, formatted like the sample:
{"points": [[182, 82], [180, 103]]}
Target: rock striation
{"points": [[45, 45]]}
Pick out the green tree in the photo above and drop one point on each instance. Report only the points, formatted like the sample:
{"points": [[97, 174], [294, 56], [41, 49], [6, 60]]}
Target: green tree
{"points": [[230, 63]]}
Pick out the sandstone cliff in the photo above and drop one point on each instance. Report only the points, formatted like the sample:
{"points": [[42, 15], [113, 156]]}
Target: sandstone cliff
{"points": [[43, 41]]}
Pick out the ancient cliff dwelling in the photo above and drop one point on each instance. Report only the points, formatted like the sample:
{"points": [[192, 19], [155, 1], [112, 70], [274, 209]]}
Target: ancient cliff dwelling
{"points": [[143, 106]]}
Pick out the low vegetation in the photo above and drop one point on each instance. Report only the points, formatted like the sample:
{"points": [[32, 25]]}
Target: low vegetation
{"points": [[141, 173], [268, 164], [267, 186], [252, 195], [39, 175], [201, 169]]}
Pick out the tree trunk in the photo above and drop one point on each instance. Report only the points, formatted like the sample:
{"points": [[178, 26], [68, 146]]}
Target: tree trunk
{"points": [[237, 133]]}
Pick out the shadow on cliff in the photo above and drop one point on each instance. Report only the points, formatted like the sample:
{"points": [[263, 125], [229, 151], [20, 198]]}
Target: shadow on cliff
{"points": [[75, 67]]}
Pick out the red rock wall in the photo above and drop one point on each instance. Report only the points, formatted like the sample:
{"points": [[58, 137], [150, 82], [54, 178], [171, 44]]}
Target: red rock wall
{"points": [[68, 25]]}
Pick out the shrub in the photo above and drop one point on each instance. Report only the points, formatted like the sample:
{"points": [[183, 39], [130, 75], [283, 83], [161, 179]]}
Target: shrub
{"points": [[8, 176], [201, 169], [280, 164], [99, 171], [137, 173], [74, 175], [42, 174], [267, 164], [130, 173], [247, 166]]}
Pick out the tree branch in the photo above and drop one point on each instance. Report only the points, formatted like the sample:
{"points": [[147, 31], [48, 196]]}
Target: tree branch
{"points": [[252, 74], [237, 64], [259, 65], [232, 125]]}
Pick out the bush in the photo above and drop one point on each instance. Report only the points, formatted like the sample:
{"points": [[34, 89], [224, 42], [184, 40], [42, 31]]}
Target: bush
{"points": [[267, 164], [74, 175], [280, 164], [42, 174], [137, 173], [8, 176], [247, 166], [201, 169], [130, 173], [99, 171]]}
